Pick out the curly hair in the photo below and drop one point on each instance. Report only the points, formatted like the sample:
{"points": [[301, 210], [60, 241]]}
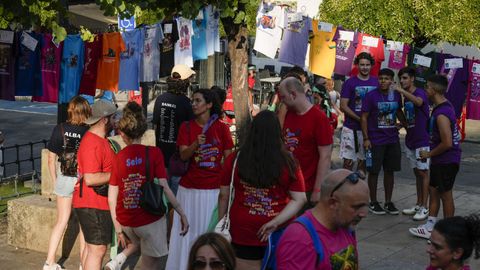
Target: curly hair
{"points": [[177, 86], [364, 55], [133, 122]]}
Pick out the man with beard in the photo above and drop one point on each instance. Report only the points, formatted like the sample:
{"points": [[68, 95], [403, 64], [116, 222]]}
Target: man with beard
{"points": [[95, 158], [353, 91], [343, 203]]}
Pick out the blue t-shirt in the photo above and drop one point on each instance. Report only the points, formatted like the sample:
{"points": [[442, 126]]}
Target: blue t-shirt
{"points": [[130, 60], [199, 39], [28, 74], [295, 42], [72, 67]]}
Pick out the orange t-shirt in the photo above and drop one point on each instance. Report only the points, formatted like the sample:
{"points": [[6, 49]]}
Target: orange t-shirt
{"points": [[109, 65], [322, 51]]}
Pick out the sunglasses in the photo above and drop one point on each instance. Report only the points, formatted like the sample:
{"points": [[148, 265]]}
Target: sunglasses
{"points": [[214, 265], [353, 178]]}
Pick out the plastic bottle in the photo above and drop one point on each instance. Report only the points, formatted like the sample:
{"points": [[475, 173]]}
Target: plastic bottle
{"points": [[368, 159]]}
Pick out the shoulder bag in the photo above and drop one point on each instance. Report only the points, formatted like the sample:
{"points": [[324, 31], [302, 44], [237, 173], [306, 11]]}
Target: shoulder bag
{"points": [[151, 199]]}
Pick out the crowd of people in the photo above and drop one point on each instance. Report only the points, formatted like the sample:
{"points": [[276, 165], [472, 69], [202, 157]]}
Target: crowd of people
{"points": [[278, 181]]}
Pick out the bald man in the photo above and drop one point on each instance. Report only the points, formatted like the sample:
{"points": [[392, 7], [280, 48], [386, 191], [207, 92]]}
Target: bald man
{"points": [[343, 203], [308, 135]]}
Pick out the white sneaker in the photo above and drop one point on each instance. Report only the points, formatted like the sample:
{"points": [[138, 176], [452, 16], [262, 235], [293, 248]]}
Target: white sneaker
{"points": [[411, 211], [421, 231], [421, 214], [54, 266], [113, 265]]}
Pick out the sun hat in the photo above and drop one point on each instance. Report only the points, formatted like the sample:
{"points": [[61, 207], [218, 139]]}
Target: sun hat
{"points": [[184, 71], [100, 109]]}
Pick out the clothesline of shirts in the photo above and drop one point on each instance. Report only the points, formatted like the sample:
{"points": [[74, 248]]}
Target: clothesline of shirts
{"points": [[327, 49], [31, 64]]}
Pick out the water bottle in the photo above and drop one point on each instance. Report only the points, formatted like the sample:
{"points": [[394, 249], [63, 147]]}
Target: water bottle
{"points": [[368, 159]]}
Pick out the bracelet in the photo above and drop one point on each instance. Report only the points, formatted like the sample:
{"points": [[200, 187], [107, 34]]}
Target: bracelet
{"points": [[316, 190]]}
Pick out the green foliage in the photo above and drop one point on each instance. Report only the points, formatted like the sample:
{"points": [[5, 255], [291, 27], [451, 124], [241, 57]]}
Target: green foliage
{"points": [[412, 21]]}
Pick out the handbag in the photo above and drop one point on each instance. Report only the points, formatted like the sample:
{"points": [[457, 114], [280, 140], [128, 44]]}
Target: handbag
{"points": [[177, 166], [151, 199], [223, 226]]}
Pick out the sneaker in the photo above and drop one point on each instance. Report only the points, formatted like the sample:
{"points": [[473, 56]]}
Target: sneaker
{"points": [[54, 266], [421, 214], [390, 208], [113, 264], [411, 211], [420, 231], [376, 209]]}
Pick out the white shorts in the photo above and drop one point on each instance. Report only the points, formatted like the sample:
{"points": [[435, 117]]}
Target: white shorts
{"points": [[413, 157], [347, 145], [151, 237]]}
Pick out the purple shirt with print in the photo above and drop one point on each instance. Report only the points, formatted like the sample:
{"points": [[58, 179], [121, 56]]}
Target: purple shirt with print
{"points": [[345, 52], [417, 119], [382, 117], [355, 89], [452, 155], [295, 42]]}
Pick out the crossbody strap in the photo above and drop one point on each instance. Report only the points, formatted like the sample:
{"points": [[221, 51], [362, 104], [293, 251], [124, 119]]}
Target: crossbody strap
{"points": [[317, 243], [230, 199]]}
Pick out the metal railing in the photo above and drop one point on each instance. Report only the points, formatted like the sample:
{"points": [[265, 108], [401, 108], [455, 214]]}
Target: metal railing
{"points": [[20, 158]]}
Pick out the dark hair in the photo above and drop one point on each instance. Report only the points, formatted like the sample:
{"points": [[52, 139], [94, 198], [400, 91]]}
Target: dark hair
{"points": [[133, 122], [176, 85], [263, 155], [221, 93], [364, 55], [294, 75], [386, 72], [461, 232], [219, 244], [439, 83], [326, 104], [78, 110], [407, 70], [298, 70], [210, 97]]}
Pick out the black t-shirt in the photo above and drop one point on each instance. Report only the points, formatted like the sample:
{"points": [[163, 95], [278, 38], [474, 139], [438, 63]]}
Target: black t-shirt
{"points": [[167, 48], [169, 112], [73, 135]]}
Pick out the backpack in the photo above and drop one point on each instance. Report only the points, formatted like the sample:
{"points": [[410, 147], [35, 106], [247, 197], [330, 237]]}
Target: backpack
{"points": [[68, 158], [269, 261]]}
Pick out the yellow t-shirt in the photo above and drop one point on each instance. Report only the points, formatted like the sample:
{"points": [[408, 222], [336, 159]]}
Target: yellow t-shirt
{"points": [[322, 51]]}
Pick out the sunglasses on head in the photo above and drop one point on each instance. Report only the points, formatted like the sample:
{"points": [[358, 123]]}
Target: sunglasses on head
{"points": [[214, 265], [353, 178]]}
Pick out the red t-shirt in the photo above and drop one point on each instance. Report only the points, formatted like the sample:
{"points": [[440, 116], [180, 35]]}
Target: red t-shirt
{"points": [[93, 52], [94, 155], [253, 207], [303, 134], [205, 164], [251, 82], [128, 174], [377, 52]]}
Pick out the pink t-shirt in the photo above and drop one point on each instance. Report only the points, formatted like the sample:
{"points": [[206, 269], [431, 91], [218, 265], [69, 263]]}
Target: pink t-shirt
{"points": [[397, 59], [50, 61], [296, 251]]}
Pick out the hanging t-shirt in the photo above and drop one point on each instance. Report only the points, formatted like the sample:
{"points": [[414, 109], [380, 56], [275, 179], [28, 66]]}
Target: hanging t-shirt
{"points": [[167, 48], [28, 75], [50, 61], [199, 39], [382, 118], [72, 67], [295, 42], [398, 55], [130, 60], [473, 101], [355, 90], [108, 69], [183, 47], [93, 53], [212, 15], [456, 70], [270, 21], [150, 65], [7, 70], [425, 65], [417, 119], [452, 155], [346, 42], [322, 51], [374, 46]]}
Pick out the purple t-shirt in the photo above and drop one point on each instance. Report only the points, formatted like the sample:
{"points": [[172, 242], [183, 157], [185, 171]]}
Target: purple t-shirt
{"points": [[295, 42], [453, 154], [382, 117], [417, 119], [355, 89], [457, 81], [345, 52]]}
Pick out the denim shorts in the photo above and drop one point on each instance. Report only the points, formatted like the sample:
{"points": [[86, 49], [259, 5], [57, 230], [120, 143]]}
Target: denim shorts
{"points": [[64, 185]]}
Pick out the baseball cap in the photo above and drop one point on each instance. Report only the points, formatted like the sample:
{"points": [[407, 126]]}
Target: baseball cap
{"points": [[100, 109], [252, 67], [184, 71]]}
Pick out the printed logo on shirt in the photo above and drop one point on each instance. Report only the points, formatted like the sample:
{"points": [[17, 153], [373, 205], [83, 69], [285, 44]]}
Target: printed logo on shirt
{"points": [[409, 110], [111, 53], [456, 135], [134, 162], [360, 92], [267, 22], [129, 52], [258, 202], [206, 155], [291, 139], [184, 38], [296, 26], [343, 46], [88, 61], [73, 60], [345, 259], [398, 57], [387, 114], [131, 191], [50, 59]]}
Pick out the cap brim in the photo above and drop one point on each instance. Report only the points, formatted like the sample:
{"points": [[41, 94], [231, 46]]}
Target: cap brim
{"points": [[92, 120]]}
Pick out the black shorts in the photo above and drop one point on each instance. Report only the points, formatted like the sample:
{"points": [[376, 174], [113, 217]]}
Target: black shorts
{"points": [[442, 176], [388, 156], [249, 252], [96, 225]]}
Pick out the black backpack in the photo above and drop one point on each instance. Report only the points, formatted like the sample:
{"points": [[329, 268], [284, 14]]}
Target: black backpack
{"points": [[68, 157]]}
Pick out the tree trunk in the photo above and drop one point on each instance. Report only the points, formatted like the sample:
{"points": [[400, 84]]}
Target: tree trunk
{"points": [[237, 49]]}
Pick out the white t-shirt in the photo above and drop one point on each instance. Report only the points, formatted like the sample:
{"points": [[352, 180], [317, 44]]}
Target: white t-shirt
{"points": [[183, 47], [270, 21], [213, 36], [150, 64]]}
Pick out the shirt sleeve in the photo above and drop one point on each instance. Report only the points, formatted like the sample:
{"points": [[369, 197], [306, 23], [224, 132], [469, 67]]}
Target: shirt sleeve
{"points": [[114, 175], [323, 130], [109, 158], [182, 138], [346, 90], [56, 141], [295, 249]]}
